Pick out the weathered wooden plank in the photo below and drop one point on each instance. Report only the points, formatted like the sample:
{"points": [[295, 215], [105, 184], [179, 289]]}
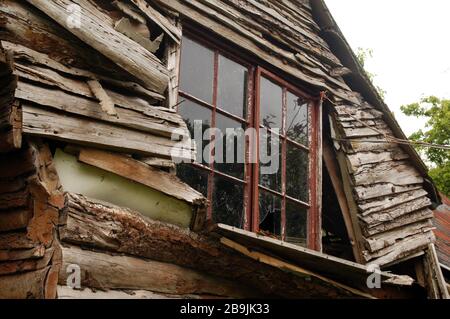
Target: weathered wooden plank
{"points": [[101, 36], [154, 121], [134, 170], [369, 192], [398, 173], [398, 222], [389, 238], [103, 271], [44, 123], [403, 248], [386, 203], [364, 158], [396, 212], [41, 66]]}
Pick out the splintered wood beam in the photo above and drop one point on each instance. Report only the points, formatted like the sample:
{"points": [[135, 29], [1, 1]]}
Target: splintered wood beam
{"points": [[106, 102], [139, 172], [101, 35], [336, 179], [172, 31]]}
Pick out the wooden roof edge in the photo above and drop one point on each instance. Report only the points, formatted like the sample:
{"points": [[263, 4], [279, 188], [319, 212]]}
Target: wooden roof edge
{"points": [[360, 82]]}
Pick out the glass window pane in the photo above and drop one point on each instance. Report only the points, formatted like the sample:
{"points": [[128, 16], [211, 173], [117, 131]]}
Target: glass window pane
{"points": [[192, 112], [270, 213], [270, 161], [194, 177], [197, 70], [271, 104], [228, 202], [230, 148], [232, 87], [296, 223], [297, 177], [297, 119]]}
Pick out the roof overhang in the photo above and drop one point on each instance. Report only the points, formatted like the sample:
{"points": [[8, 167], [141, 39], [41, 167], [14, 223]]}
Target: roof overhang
{"points": [[360, 82]]}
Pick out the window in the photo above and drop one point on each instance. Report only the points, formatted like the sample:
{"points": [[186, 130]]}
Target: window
{"points": [[256, 145]]}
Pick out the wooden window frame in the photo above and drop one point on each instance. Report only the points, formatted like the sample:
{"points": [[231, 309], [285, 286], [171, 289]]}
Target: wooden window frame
{"points": [[252, 120]]}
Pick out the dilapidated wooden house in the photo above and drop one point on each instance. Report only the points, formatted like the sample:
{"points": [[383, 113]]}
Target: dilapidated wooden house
{"points": [[99, 176]]}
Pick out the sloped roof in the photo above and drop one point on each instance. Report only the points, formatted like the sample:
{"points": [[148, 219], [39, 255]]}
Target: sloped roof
{"points": [[442, 223], [360, 82]]}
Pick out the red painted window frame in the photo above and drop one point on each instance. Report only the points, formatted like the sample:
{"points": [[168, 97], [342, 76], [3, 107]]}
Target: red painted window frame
{"points": [[251, 176]]}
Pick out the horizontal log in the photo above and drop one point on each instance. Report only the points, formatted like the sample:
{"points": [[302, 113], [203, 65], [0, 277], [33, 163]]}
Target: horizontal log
{"points": [[15, 240], [44, 123], [103, 271], [14, 200], [100, 34], [21, 266], [15, 219], [65, 292], [20, 254], [28, 285], [105, 227]]}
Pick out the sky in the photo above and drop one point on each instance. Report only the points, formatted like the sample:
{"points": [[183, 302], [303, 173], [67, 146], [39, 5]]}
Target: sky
{"points": [[411, 47]]}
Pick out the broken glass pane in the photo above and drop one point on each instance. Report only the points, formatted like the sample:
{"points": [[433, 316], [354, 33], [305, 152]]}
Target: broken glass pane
{"points": [[270, 213], [296, 223], [228, 202], [297, 177]]}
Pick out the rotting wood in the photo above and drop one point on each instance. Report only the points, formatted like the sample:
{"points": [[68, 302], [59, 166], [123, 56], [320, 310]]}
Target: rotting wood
{"points": [[105, 101], [129, 115], [103, 271], [119, 230], [101, 36], [28, 285], [403, 248], [20, 266], [100, 134]]}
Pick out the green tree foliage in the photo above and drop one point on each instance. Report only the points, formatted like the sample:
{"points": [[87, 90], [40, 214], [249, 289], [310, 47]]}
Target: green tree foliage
{"points": [[363, 55], [437, 114]]}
